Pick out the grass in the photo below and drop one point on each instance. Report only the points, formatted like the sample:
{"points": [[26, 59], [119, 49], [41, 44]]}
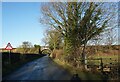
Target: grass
{"points": [[109, 59], [84, 75], [106, 59]]}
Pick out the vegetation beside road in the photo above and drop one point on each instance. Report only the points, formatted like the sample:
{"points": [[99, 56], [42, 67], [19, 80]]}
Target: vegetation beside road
{"points": [[83, 74], [109, 59]]}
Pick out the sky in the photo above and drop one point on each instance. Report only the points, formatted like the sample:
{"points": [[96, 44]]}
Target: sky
{"points": [[20, 22], [59, 0]]}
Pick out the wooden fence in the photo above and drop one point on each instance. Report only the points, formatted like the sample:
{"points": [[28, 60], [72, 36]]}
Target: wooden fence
{"points": [[100, 63]]}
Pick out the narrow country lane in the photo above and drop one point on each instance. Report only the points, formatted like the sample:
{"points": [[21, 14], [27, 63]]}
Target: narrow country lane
{"points": [[41, 69]]}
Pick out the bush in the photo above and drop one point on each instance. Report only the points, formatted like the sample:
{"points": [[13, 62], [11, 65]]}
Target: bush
{"points": [[59, 54]]}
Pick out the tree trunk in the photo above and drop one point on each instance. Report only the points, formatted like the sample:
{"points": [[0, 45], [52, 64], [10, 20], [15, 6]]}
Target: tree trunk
{"points": [[84, 61]]}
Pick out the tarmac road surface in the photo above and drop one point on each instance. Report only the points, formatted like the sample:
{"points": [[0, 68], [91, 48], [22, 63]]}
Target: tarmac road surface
{"points": [[41, 69]]}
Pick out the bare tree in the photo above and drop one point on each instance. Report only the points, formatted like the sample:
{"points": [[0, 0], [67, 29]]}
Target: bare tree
{"points": [[78, 22]]}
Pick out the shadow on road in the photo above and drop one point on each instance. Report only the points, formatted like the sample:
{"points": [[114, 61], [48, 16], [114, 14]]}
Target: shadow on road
{"points": [[40, 69], [11, 62]]}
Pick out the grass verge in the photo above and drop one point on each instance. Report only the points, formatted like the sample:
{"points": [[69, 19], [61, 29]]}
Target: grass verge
{"points": [[84, 75]]}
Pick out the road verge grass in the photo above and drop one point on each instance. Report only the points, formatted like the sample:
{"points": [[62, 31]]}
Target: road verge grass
{"points": [[84, 75]]}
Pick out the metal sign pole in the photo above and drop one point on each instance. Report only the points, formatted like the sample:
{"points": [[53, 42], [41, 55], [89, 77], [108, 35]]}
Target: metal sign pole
{"points": [[9, 57], [9, 47]]}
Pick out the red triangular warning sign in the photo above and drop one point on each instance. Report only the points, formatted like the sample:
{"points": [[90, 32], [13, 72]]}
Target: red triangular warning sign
{"points": [[8, 47]]}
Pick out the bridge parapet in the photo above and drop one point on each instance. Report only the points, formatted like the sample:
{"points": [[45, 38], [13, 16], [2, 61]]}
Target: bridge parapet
{"points": [[45, 50], [44, 47]]}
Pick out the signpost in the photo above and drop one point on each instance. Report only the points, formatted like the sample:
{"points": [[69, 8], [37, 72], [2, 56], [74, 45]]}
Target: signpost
{"points": [[9, 47]]}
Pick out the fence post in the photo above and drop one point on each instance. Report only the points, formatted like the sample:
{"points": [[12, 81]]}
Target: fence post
{"points": [[101, 64], [110, 64], [85, 62]]}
